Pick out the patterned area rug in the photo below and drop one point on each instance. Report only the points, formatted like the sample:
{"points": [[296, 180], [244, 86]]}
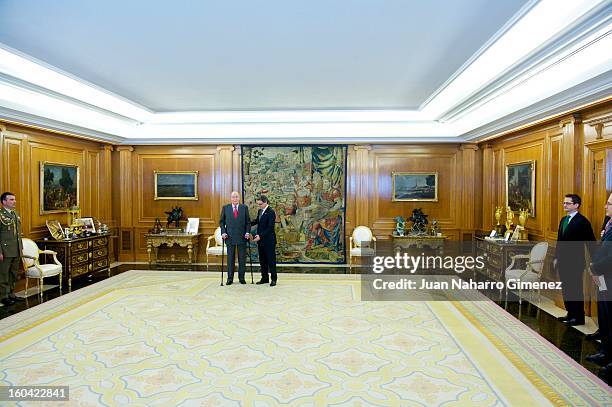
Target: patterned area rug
{"points": [[163, 338]]}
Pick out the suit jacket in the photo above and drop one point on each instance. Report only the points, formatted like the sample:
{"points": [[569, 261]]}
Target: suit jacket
{"points": [[265, 226], [235, 228], [578, 230], [10, 233], [602, 261]]}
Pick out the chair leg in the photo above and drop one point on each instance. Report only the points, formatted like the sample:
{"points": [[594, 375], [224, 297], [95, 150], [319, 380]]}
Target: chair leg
{"points": [[520, 296], [206, 261], [40, 288], [506, 302], [26, 290]]}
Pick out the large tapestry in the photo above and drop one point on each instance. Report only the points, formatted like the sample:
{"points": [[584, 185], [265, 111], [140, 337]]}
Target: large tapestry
{"points": [[306, 188]]}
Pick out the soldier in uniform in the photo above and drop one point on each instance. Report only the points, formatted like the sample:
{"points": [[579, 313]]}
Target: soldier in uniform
{"points": [[10, 247]]}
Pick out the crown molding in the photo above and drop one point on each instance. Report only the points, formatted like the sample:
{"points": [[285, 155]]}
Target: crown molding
{"points": [[571, 39], [42, 123], [500, 33], [592, 91]]}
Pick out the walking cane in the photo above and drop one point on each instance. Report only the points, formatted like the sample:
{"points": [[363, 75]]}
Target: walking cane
{"points": [[222, 255], [250, 259]]}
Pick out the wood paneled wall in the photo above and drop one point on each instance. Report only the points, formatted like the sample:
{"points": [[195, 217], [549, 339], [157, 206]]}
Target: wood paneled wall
{"points": [[573, 154], [23, 149]]}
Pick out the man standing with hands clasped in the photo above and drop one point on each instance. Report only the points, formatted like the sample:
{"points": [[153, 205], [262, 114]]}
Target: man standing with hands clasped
{"points": [[266, 241], [235, 224], [569, 258], [10, 248]]}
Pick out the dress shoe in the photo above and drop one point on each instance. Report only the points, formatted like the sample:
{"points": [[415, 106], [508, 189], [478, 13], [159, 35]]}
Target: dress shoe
{"points": [[563, 319], [605, 373], [7, 301], [594, 336], [262, 282], [599, 358], [14, 298], [273, 283], [242, 282], [574, 322], [229, 282]]}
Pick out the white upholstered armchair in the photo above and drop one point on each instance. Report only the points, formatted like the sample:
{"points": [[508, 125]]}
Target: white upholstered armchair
{"points": [[361, 244], [31, 262], [217, 248], [532, 271]]}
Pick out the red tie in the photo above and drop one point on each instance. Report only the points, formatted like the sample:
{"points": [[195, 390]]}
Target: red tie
{"points": [[235, 212]]}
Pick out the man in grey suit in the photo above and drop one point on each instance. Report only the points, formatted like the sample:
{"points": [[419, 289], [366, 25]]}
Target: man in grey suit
{"points": [[235, 225]]}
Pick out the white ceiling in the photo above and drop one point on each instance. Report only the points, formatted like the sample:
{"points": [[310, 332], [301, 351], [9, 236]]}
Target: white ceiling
{"points": [[394, 61]]}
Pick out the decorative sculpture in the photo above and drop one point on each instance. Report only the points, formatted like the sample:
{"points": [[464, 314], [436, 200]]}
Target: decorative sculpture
{"points": [[523, 216], [509, 218], [399, 225], [419, 220], [175, 215]]}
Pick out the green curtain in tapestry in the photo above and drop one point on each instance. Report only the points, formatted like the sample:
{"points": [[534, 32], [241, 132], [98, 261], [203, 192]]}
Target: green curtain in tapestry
{"points": [[306, 186]]}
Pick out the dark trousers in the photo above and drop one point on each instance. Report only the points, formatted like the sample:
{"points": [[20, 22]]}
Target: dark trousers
{"points": [[9, 267], [231, 258], [573, 295], [604, 312], [267, 261]]}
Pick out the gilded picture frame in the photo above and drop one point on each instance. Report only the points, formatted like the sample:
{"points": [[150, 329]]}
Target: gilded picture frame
{"points": [[59, 187], [176, 185], [414, 186], [520, 186]]}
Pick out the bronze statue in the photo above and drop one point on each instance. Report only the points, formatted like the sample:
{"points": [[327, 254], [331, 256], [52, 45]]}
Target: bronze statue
{"points": [[175, 215]]}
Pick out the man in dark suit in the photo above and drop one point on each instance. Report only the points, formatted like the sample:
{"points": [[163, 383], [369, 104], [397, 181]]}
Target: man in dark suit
{"points": [[569, 258], [265, 236], [235, 224], [597, 335], [10, 247], [601, 267]]}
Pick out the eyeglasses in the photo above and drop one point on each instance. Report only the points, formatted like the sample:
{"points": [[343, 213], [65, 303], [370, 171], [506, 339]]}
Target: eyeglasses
{"points": [[568, 203]]}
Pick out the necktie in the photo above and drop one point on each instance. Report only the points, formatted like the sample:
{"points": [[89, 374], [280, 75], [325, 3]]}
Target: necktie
{"points": [[235, 212], [608, 226], [565, 223]]}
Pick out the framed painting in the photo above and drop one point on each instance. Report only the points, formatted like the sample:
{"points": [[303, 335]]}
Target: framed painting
{"points": [[59, 187], [520, 186], [181, 185], [415, 186]]}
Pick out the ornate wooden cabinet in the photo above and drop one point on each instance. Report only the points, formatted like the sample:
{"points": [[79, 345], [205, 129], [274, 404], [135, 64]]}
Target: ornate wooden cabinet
{"points": [[498, 255], [80, 256]]}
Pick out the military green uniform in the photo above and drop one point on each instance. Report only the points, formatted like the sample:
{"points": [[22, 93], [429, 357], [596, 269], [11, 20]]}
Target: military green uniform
{"points": [[10, 245]]}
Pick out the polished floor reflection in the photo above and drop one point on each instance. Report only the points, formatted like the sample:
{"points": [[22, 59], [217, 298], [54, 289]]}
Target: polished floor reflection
{"points": [[568, 339]]}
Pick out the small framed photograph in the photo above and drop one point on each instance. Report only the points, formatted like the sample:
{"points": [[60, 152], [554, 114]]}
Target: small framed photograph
{"points": [[507, 235], [516, 234], [176, 185], [88, 224], [493, 233], [192, 226], [55, 228]]}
